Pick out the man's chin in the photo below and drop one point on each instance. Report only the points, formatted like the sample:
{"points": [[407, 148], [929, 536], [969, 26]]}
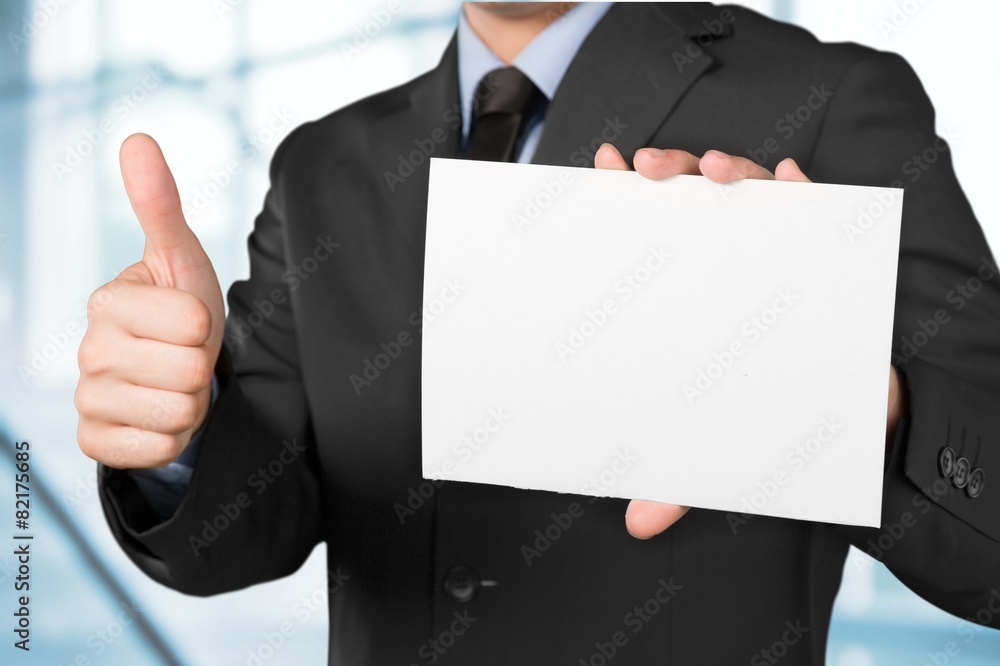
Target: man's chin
{"points": [[522, 9]]}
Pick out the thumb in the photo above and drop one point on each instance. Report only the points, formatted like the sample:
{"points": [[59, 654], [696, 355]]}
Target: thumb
{"points": [[171, 246], [647, 519], [173, 256]]}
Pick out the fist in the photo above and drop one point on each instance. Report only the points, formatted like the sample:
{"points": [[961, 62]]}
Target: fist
{"points": [[153, 333]]}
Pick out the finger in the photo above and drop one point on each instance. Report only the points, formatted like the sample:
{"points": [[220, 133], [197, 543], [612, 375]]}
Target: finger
{"points": [[657, 164], [788, 169], [153, 193], [148, 409], [148, 363], [608, 157], [723, 168], [125, 447], [647, 519], [157, 313], [896, 400]]}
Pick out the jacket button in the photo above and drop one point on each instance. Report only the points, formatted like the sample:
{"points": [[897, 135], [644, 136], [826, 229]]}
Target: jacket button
{"points": [[946, 462], [977, 479], [962, 471], [461, 584]]}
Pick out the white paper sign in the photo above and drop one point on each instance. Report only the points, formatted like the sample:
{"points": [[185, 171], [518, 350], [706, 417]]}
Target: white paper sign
{"points": [[716, 346]]}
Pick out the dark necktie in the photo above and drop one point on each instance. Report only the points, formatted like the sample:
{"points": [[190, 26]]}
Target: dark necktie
{"points": [[505, 101]]}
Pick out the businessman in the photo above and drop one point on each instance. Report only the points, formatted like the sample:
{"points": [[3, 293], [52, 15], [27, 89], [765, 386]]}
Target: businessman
{"points": [[230, 446]]}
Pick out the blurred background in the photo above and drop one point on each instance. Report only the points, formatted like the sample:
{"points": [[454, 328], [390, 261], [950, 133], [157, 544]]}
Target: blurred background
{"points": [[223, 81]]}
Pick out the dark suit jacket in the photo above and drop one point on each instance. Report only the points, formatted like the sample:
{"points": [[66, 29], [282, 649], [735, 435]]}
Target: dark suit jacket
{"points": [[712, 589]]}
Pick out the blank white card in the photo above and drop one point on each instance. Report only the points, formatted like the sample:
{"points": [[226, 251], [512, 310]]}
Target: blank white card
{"points": [[716, 346]]}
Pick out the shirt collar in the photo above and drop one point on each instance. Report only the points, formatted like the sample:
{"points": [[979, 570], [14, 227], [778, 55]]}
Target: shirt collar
{"points": [[544, 60]]}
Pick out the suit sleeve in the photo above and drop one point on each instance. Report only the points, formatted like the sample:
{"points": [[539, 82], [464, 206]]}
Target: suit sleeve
{"points": [[252, 511], [940, 530]]}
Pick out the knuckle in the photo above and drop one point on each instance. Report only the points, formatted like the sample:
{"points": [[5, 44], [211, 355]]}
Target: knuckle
{"points": [[180, 413], [88, 440], [160, 449], [198, 321], [94, 307], [90, 356], [152, 416], [83, 401], [187, 412], [127, 447], [197, 372], [130, 447], [99, 301], [689, 160]]}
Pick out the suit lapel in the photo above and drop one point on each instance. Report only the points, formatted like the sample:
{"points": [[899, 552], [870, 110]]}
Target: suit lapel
{"points": [[629, 74], [434, 100], [428, 125]]}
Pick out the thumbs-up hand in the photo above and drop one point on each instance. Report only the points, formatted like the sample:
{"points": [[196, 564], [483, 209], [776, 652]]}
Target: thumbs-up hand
{"points": [[154, 332]]}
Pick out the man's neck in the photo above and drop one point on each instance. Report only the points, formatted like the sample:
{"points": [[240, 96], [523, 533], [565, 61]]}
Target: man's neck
{"points": [[507, 33]]}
